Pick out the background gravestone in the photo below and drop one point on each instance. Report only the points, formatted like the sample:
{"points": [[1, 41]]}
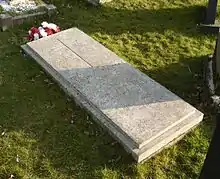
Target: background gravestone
{"points": [[211, 12], [217, 58], [211, 165], [15, 12], [98, 2], [210, 24]]}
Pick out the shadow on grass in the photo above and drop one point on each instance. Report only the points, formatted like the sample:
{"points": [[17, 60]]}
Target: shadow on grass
{"points": [[73, 145], [65, 135], [115, 21], [184, 77], [66, 138]]}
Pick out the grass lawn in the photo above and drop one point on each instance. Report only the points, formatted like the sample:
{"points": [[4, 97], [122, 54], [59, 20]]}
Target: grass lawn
{"points": [[45, 135]]}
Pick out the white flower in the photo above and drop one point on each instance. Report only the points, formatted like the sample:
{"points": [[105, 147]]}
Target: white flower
{"points": [[17, 159]]}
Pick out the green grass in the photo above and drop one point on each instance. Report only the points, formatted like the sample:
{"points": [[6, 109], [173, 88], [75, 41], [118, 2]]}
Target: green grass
{"points": [[1, 10], [54, 138]]}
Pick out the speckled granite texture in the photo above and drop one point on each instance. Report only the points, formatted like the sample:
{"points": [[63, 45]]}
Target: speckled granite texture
{"points": [[142, 114]]}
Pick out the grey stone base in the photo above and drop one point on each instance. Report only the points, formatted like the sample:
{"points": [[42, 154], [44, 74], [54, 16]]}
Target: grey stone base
{"points": [[141, 114], [7, 20], [210, 29], [98, 2]]}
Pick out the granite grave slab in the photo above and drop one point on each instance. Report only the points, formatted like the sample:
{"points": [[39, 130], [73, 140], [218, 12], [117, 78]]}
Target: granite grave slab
{"points": [[140, 113]]}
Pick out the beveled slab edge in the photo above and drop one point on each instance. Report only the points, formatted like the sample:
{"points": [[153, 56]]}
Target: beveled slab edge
{"points": [[168, 139], [81, 101], [44, 63], [141, 154], [139, 143]]}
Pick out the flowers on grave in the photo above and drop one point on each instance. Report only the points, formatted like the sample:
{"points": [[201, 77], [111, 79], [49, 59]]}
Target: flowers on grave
{"points": [[33, 34], [46, 29], [53, 27]]}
